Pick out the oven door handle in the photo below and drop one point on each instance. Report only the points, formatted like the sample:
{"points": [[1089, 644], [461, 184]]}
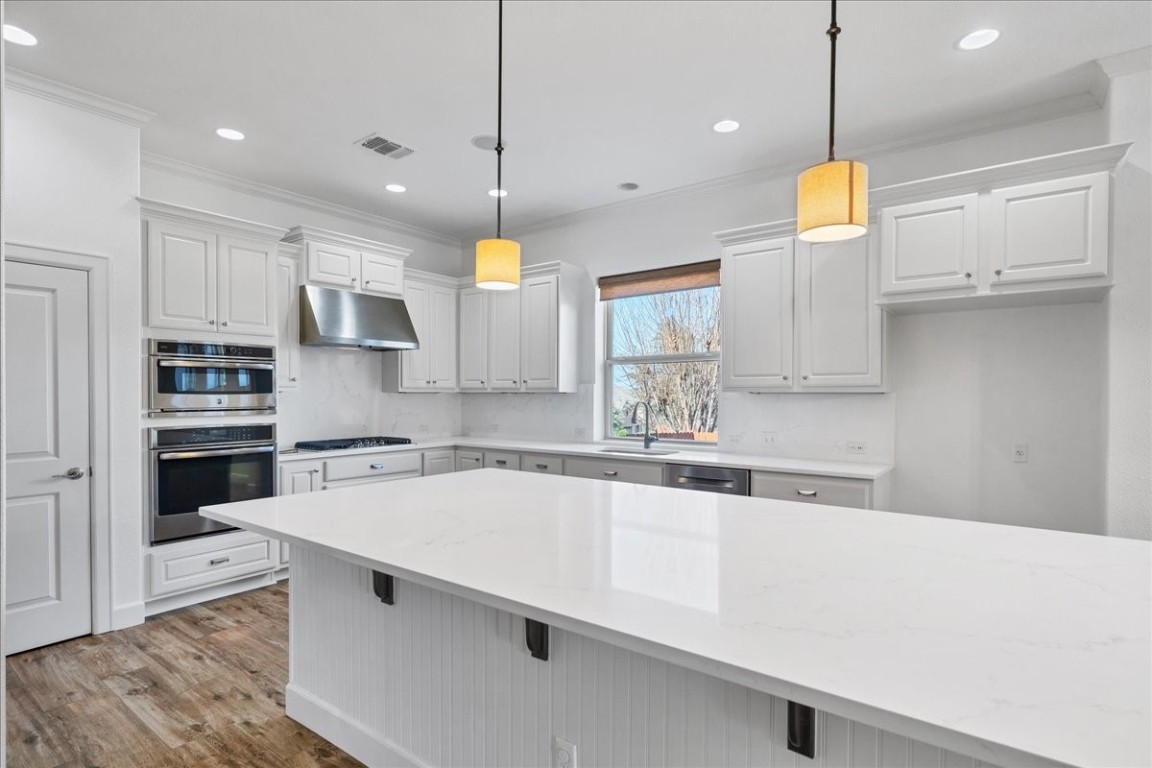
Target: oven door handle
{"points": [[214, 364], [220, 452]]}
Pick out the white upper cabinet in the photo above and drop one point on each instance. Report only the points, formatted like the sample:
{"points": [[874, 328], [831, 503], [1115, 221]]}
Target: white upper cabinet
{"points": [[341, 261], [522, 340], [473, 338], [431, 301], [539, 307], [288, 311], [756, 314], [209, 273], [839, 327], [246, 287], [504, 339], [1017, 234], [929, 245], [1050, 230]]}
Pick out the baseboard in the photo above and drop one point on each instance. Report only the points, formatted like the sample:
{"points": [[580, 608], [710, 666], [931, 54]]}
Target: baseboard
{"points": [[124, 616], [358, 740], [204, 594]]}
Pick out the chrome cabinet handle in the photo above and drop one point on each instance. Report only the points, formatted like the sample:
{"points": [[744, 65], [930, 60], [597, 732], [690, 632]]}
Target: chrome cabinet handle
{"points": [[219, 560], [502, 462], [541, 466], [610, 473], [73, 473], [809, 494], [375, 466]]}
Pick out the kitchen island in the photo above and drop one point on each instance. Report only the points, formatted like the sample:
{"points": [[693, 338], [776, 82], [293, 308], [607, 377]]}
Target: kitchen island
{"points": [[680, 624]]}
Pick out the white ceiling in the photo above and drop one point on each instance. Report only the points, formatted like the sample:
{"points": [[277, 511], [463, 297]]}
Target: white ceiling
{"points": [[596, 93]]}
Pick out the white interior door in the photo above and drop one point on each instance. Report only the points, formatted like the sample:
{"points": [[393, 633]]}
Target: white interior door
{"points": [[48, 558]]}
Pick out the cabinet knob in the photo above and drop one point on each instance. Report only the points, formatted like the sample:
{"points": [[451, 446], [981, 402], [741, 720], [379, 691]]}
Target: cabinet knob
{"points": [[481, 382], [211, 322], [968, 275], [785, 378], [427, 382], [999, 272], [314, 471], [804, 377], [366, 282], [224, 323], [292, 379], [352, 280]]}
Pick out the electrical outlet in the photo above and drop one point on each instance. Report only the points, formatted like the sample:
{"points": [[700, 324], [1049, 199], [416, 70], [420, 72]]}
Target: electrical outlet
{"points": [[1020, 453], [853, 446], [769, 438], [581, 433], [736, 439], [563, 753]]}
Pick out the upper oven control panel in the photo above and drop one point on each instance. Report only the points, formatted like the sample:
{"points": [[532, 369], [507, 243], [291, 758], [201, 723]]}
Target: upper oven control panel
{"points": [[170, 437], [209, 349]]}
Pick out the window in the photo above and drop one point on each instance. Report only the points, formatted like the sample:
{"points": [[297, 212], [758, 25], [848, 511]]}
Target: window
{"points": [[663, 348]]}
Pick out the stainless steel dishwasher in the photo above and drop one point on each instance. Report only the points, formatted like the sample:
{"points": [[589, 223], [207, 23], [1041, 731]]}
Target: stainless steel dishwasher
{"points": [[702, 478]]}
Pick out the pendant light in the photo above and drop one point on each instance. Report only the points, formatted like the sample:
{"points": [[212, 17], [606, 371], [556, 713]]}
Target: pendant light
{"points": [[832, 197], [497, 259]]}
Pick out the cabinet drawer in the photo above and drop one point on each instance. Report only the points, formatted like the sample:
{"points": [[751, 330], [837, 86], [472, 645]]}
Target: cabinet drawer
{"points": [[548, 465], [836, 491], [620, 471], [372, 465], [494, 460], [181, 570]]}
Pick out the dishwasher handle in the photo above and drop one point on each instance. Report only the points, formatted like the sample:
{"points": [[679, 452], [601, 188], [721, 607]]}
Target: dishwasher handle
{"points": [[708, 482], [709, 479]]}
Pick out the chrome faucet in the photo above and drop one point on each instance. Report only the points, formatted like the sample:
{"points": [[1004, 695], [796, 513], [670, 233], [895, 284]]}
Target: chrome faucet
{"points": [[649, 438]]}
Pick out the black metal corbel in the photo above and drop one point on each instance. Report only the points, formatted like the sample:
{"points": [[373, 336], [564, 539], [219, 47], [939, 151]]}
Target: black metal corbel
{"points": [[536, 636], [385, 587], [802, 729]]}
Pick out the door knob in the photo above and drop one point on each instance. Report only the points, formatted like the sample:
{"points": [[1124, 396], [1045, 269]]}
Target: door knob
{"points": [[73, 473]]}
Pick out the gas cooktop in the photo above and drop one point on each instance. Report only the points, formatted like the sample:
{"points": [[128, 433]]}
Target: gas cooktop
{"points": [[351, 442]]}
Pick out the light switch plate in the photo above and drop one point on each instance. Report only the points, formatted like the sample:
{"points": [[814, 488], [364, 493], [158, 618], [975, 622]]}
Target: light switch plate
{"points": [[1020, 453]]}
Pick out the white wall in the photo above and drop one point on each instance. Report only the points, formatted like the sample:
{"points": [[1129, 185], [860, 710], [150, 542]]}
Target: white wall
{"points": [[1129, 447], [340, 392], [71, 178], [678, 228]]}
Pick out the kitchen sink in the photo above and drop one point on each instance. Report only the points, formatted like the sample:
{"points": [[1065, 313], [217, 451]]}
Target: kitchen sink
{"points": [[637, 451]]}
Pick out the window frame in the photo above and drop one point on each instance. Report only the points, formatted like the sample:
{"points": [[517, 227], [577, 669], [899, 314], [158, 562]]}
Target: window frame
{"points": [[608, 385]]}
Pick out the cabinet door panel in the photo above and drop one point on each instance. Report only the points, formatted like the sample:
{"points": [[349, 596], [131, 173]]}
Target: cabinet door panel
{"points": [[439, 462], [297, 477], [333, 265], [415, 372], [181, 277], [246, 298], [756, 315], [838, 322], [929, 246], [504, 339], [381, 274], [288, 314], [473, 339], [1050, 229], [442, 327], [538, 332], [466, 460]]}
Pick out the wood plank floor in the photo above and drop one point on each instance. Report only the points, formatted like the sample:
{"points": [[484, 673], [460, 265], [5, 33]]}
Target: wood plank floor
{"points": [[201, 686]]}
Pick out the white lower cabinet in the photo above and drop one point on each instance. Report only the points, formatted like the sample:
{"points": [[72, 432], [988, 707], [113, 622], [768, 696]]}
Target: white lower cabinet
{"points": [[206, 561], [547, 465], [813, 489], [300, 477], [501, 460], [370, 468], [469, 460], [439, 462], [620, 471]]}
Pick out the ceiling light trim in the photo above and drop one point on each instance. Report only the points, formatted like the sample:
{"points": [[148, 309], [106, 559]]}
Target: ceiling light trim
{"points": [[86, 101], [269, 192]]}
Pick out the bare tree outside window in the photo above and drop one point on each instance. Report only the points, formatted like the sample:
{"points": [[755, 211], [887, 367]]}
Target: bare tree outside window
{"points": [[664, 348]]}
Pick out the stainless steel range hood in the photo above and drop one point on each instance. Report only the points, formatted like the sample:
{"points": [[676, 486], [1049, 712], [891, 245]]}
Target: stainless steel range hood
{"points": [[330, 317]]}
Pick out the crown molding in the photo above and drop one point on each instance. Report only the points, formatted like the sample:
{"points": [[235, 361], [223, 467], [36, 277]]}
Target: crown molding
{"points": [[1051, 109], [434, 278], [51, 90], [328, 237], [269, 192], [783, 228], [229, 225], [1136, 60]]}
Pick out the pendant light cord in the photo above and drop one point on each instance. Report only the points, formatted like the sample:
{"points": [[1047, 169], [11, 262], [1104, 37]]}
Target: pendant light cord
{"points": [[833, 31], [499, 115]]}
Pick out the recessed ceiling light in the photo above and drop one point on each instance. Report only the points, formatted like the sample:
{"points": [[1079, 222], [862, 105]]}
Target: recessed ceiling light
{"points": [[498, 193], [395, 187], [981, 38], [19, 36], [230, 133], [726, 126], [628, 186]]}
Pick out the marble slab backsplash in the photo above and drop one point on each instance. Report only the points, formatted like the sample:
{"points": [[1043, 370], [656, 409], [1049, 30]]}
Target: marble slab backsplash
{"points": [[540, 417], [801, 426], [341, 395]]}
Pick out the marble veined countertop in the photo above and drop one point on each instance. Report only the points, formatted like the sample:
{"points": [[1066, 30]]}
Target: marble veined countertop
{"points": [[849, 469], [1017, 646]]}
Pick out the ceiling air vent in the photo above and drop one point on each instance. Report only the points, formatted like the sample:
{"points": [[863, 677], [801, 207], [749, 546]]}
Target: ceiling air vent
{"points": [[384, 147]]}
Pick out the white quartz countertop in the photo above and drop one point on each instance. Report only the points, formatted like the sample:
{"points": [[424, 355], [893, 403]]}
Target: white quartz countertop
{"points": [[848, 469], [1017, 646]]}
